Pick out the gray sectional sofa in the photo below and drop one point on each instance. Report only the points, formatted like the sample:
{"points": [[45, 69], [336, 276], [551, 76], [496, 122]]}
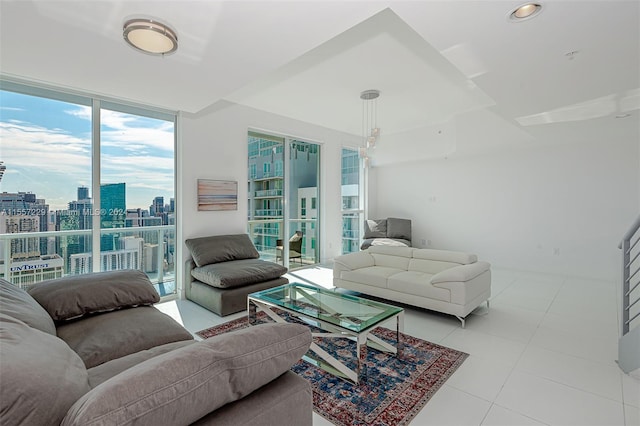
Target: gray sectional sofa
{"points": [[92, 350], [224, 269]]}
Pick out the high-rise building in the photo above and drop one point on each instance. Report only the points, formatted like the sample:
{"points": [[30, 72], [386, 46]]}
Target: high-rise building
{"points": [[3, 168], [158, 206], [113, 210], [350, 191], [157, 209], [28, 211], [265, 189], [25, 203], [21, 248], [83, 193], [134, 218]]}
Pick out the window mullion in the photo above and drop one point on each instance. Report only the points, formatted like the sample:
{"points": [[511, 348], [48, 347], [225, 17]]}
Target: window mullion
{"points": [[95, 184]]}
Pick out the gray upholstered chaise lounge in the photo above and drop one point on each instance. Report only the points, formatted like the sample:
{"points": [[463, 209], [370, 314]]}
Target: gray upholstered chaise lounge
{"points": [[224, 269]]}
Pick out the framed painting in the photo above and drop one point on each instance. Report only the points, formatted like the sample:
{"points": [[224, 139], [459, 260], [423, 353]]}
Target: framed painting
{"points": [[217, 195]]}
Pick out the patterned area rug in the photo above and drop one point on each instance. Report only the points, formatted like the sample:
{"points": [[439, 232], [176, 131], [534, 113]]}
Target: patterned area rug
{"points": [[396, 388]]}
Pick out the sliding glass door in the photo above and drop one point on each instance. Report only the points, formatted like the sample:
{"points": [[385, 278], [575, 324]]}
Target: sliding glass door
{"points": [[283, 204], [303, 202]]}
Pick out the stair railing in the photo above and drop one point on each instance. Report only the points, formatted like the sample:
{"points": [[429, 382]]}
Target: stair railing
{"points": [[629, 343]]}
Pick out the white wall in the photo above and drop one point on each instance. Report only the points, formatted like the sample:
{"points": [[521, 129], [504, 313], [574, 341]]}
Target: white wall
{"points": [[512, 204], [515, 206], [213, 145]]}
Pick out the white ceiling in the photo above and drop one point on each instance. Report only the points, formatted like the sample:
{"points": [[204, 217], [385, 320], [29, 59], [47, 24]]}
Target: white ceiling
{"points": [[435, 62]]}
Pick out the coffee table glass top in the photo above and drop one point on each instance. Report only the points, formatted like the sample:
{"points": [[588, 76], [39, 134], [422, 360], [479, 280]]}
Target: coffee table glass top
{"points": [[350, 312]]}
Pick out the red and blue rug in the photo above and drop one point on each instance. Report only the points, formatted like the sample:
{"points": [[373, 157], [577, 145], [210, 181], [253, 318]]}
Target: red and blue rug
{"points": [[396, 388]]}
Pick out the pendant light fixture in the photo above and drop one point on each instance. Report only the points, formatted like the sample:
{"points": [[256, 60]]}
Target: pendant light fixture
{"points": [[370, 129]]}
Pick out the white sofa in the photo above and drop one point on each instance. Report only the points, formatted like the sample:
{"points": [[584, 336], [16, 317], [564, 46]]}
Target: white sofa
{"points": [[445, 281]]}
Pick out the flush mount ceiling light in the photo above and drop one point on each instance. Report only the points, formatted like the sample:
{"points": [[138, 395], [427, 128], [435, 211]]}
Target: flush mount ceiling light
{"points": [[524, 12], [150, 36]]}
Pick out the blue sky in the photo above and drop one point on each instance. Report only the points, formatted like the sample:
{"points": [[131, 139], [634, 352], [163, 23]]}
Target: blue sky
{"points": [[46, 146]]}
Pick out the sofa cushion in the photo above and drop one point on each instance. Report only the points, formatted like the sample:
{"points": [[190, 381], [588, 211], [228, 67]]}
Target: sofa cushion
{"points": [[107, 370], [103, 337], [418, 284], [399, 228], [238, 272], [375, 275], [41, 376], [184, 385], [18, 304], [76, 295], [375, 228], [221, 248]]}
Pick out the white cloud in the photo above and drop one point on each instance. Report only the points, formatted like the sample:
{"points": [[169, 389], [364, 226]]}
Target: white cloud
{"points": [[53, 162]]}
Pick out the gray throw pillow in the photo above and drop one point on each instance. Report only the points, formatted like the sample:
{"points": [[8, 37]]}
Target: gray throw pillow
{"points": [[221, 248], [399, 228], [18, 304], [41, 376], [74, 296], [375, 228], [182, 386]]}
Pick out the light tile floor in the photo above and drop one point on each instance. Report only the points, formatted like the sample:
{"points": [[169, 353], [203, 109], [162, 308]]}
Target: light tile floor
{"points": [[544, 354]]}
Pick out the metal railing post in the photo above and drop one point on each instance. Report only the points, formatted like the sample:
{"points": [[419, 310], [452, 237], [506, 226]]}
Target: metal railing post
{"points": [[160, 255], [626, 256], [7, 259]]}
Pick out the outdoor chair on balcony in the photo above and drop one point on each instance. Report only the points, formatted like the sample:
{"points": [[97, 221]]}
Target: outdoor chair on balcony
{"points": [[295, 247]]}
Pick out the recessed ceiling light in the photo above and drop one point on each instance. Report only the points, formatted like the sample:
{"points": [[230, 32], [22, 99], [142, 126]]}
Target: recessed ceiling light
{"points": [[150, 36], [525, 11]]}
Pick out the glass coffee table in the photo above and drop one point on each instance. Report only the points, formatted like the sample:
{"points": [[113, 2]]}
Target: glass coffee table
{"points": [[337, 316]]}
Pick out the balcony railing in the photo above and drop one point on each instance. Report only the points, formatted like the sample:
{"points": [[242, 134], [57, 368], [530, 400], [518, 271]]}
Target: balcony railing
{"points": [[355, 234], [265, 242], [269, 175], [149, 248], [269, 193], [269, 212], [629, 341]]}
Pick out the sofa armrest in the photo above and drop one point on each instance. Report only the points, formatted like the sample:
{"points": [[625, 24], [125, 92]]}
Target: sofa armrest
{"points": [[465, 282], [182, 386], [189, 264], [351, 261], [462, 273]]}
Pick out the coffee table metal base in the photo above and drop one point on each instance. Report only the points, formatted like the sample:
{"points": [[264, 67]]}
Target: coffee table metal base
{"points": [[324, 359]]}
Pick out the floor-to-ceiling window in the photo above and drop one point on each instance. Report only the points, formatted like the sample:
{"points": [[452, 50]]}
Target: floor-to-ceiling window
{"points": [[283, 204], [352, 203], [91, 181]]}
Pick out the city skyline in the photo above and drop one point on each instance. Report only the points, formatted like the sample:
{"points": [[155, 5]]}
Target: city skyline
{"points": [[45, 146]]}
